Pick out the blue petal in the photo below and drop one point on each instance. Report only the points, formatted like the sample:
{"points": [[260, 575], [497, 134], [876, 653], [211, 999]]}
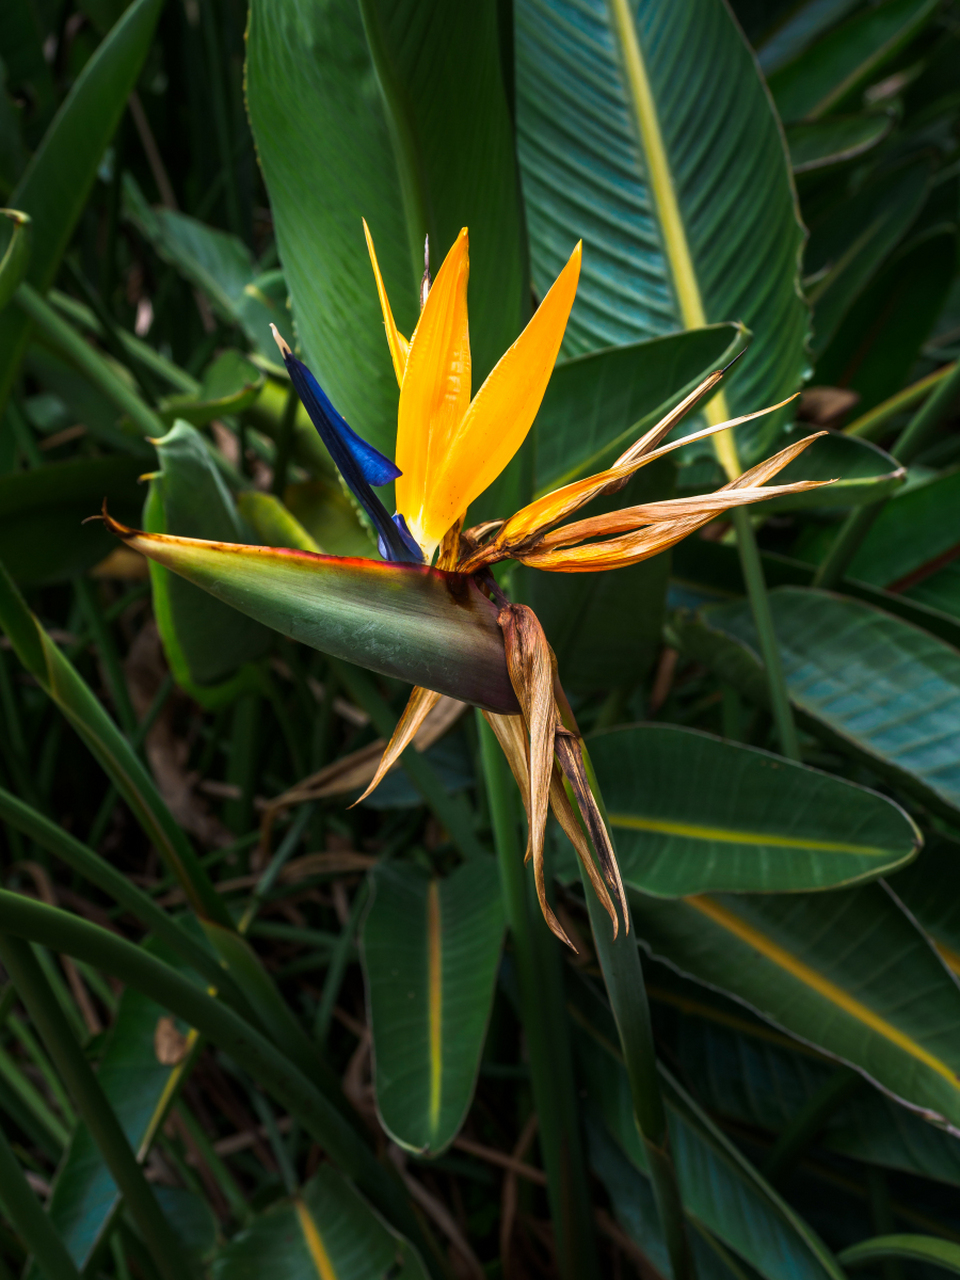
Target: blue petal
{"points": [[358, 462], [373, 466], [413, 550]]}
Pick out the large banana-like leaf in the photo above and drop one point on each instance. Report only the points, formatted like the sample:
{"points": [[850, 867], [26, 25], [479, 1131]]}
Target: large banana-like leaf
{"points": [[423, 625], [747, 1073], [646, 129], [326, 1232], [57, 181], [722, 1193], [442, 102], [873, 684], [840, 971], [695, 814], [431, 949]]}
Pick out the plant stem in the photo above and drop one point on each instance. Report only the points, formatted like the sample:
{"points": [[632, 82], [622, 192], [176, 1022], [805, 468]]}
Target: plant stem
{"points": [[92, 1104], [66, 340], [33, 1225], [23, 917], [281, 461], [763, 621], [451, 811], [623, 975], [911, 441], [548, 1041], [871, 424]]}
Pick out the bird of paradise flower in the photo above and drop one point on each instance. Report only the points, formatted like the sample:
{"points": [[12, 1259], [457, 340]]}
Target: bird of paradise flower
{"points": [[451, 446]]}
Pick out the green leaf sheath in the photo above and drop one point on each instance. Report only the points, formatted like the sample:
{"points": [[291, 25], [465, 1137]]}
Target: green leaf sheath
{"points": [[647, 130], [93, 1106], [51, 927], [57, 181]]}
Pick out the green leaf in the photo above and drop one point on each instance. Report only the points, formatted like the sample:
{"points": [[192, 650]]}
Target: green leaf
{"points": [[273, 523], [840, 971], [230, 385], [598, 642], [829, 142], [930, 1250], [422, 625], [443, 104], [647, 131], [927, 892], [12, 155], [599, 403], [16, 257], [845, 58], [872, 684], [205, 641], [787, 33], [850, 243], [863, 474], [141, 1090], [60, 680], [217, 263], [41, 539], [328, 1231], [911, 548], [875, 349], [57, 182], [430, 949], [721, 1190], [713, 569], [749, 1074], [752, 822]]}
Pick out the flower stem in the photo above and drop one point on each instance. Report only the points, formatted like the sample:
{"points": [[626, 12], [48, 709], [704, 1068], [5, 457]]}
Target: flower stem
{"points": [[769, 647], [623, 975], [544, 1023], [92, 1104]]}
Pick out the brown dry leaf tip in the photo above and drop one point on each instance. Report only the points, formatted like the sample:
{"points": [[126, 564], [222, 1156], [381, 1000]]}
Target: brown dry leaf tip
{"points": [[534, 744], [421, 703], [527, 535]]}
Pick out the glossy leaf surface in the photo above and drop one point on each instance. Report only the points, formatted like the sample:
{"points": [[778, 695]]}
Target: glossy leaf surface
{"points": [[431, 949], [443, 101], [641, 127], [423, 625], [328, 1232], [872, 683], [840, 971], [721, 1190], [57, 181], [749, 1074], [599, 403], [694, 814]]}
